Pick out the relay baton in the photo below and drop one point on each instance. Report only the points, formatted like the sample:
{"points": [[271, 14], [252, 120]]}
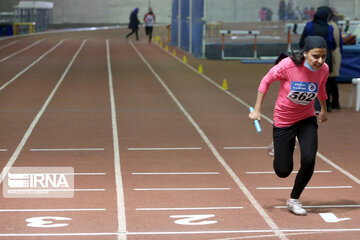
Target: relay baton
{"points": [[256, 122]]}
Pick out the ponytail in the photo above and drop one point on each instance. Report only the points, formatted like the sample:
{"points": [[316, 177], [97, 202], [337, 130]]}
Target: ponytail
{"points": [[297, 57]]}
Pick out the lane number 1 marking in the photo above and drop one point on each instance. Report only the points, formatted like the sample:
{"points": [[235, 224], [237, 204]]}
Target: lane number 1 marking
{"points": [[193, 219], [46, 222]]}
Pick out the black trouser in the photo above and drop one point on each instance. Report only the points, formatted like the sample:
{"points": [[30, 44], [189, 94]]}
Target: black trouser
{"points": [[148, 31], [132, 32], [332, 92], [284, 144]]}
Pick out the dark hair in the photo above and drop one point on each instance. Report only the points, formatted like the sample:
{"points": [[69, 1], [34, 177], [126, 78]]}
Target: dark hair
{"points": [[297, 57]]}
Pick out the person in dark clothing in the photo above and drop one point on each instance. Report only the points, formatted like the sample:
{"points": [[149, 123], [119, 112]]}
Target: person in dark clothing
{"points": [[319, 27], [134, 24], [331, 86]]}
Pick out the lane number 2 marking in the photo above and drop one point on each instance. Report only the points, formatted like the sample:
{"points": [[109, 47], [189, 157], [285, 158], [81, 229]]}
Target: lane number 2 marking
{"points": [[193, 219], [46, 222]]}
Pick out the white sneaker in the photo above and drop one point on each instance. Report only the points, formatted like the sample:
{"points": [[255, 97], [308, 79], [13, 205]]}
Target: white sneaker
{"points": [[271, 149], [295, 207]]}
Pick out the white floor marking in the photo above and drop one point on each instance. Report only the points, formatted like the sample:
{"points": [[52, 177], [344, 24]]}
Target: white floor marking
{"points": [[64, 149], [9, 44], [331, 230], [343, 171], [180, 189], [85, 174], [3, 150], [232, 174], [31, 65], [340, 169], [164, 149], [54, 210], [193, 208], [245, 148], [272, 172], [117, 166], [326, 206], [331, 218], [38, 116], [179, 173], [286, 188], [20, 51]]}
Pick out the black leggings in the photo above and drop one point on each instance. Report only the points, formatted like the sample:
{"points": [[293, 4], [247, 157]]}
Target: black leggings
{"points": [[132, 32], [284, 144], [148, 31]]}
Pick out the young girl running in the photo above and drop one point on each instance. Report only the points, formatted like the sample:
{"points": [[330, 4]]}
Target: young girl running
{"points": [[302, 78]]}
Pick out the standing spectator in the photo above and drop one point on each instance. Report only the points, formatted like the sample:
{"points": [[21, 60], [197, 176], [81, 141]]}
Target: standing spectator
{"points": [[262, 14], [149, 20], [268, 14], [290, 10], [320, 27], [331, 86], [282, 10], [134, 24]]}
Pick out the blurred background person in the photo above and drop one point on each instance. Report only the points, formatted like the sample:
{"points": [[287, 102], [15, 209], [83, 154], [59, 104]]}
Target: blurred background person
{"points": [[149, 20], [134, 24], [332, 89]]}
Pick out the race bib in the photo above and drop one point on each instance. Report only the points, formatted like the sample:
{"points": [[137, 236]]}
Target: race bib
{"points": [[303, 92]]}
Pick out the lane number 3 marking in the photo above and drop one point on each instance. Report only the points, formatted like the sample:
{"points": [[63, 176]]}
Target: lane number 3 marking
{"points": [[193, 219], [46, 222]]}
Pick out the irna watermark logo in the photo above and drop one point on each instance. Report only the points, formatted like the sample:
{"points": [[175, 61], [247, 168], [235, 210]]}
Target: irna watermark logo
{"points": [[39, 182]]}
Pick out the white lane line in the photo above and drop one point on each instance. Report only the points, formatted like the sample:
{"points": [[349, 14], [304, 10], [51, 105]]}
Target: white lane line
{"points": [[9, 44], [338, 230], [293, 172], [181, 189], [325, 159], [31, 65], [245, 148], [66, 190], [179, 173], [20, 51], [326, 206], [3, 150], [64, 149], [220, 159], [163, 149], [343, 171], [89, 174], [117, 166], [55, 210], [193, 208], [37, 118], [286, 188]]}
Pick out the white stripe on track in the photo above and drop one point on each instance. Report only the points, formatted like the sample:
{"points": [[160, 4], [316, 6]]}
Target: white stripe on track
{"points": [[340, 169], [329, 230], [9, 44], [181, 189], [193, 208], [117, 165], [20, 51], [233, 175], [64, 149], [37, 118], [293, 172], [286, 188], [31, 65], [326, 206], [163, 149], [179, 173], [55, 210]]}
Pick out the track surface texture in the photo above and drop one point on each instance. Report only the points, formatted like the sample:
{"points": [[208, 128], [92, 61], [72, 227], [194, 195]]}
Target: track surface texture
{"points": [[160, 151]]}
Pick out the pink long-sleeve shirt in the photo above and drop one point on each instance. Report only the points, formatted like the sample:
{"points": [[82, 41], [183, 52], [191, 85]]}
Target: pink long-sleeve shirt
{"points": [[298, 89]]}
